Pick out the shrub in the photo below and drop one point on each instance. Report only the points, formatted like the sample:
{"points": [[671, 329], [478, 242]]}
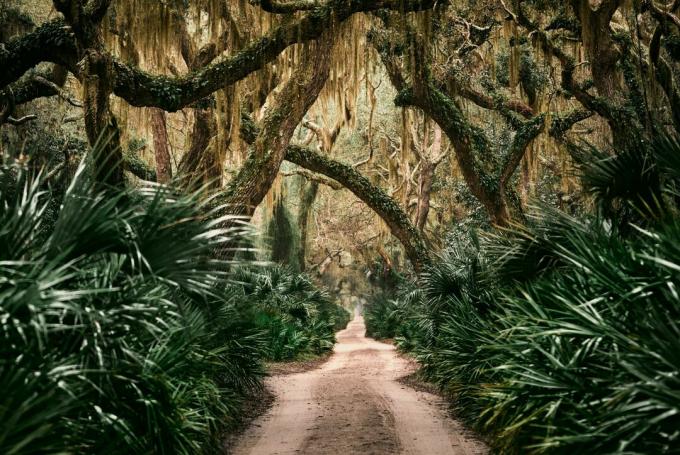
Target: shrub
{"points": [[120, 332], [562, 335]]}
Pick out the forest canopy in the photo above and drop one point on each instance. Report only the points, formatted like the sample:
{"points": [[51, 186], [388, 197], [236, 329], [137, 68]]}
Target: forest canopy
{"points": [[425, 111]]}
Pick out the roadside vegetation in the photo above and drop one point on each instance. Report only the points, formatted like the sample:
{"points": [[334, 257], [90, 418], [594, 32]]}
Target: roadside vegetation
{"points": [[561, 335], [121, 333]]}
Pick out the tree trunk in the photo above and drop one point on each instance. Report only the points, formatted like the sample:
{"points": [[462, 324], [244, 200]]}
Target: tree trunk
{"points": [[257, 175], [160, 145], [601, 51], [308, 196], [425, 189], [100, 124], [383, 205], [604, 54], [189, 167]]}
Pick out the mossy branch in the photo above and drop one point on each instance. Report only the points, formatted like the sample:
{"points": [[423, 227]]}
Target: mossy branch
{"points": [[374, 197], [348, 177], [55, 42]]}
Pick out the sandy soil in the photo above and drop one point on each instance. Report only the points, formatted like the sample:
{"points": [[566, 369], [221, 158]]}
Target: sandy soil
{"points": [[354, 404]]}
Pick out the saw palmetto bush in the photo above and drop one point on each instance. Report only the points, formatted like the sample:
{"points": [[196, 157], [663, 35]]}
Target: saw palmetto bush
{"points": [[299, 318], [115, 337], [563, 335], [119, 331]]}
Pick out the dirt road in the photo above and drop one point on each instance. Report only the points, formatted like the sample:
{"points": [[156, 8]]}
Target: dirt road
{"points": [[353, 404]]}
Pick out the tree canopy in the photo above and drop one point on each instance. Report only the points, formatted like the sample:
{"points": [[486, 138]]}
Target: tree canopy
{"points": [[497, 90]]}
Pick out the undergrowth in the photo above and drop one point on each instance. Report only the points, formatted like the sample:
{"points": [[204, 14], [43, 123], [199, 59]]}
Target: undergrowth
{"points": [[561, 335], [120, 333]]}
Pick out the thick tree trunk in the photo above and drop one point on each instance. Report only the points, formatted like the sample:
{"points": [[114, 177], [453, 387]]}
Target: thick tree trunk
{"points": [[190, 167], [161, 145], [100, 124], [601, 51], [604, 55]]}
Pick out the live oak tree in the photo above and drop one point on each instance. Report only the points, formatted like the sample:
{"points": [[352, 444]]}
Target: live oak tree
{"points": [[498, 82]]}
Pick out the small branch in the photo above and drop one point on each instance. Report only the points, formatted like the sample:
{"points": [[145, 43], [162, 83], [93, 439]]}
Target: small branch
{"points": [[54, 171], [314, 178], [20, 121], [326, 261], [73, 118], [61, 93], [365, 160]]}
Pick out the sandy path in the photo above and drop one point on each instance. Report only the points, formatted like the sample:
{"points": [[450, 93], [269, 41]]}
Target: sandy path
{"points": [[353, 405]]}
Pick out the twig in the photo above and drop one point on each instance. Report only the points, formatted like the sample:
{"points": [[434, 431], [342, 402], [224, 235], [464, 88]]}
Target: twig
{"points": [[20, 121], [59, 91]]}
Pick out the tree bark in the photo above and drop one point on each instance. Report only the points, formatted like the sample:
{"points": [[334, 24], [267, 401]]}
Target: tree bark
{"points": [[95, 70], [100, 124], [257, 175], [161, 145]]}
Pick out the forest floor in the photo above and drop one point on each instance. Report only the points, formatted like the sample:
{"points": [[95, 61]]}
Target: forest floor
{"points": [[355, 403]]}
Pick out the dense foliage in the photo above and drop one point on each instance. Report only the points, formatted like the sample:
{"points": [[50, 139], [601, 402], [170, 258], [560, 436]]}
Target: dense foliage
{"points": [[120, 332], [297, 317], [561, 336]]}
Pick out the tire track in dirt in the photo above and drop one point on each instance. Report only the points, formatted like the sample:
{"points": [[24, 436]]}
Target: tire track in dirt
{"points": [[353, 404]]}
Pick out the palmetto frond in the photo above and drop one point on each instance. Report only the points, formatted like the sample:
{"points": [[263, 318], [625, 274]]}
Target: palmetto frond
{"points": [[100, 338]]}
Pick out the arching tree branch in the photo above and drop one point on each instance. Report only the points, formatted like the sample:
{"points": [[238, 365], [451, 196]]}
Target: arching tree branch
{"points": [[383, 205], [347, 176]]}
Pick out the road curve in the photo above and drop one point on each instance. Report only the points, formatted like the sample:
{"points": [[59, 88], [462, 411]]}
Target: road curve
{"points": [[353, 404]]}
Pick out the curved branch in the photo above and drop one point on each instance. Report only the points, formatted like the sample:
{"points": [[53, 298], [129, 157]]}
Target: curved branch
{"points": [[383, 205], [41, 85], [55, 42], [21, 120], [51, 42], [523, 137]]}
